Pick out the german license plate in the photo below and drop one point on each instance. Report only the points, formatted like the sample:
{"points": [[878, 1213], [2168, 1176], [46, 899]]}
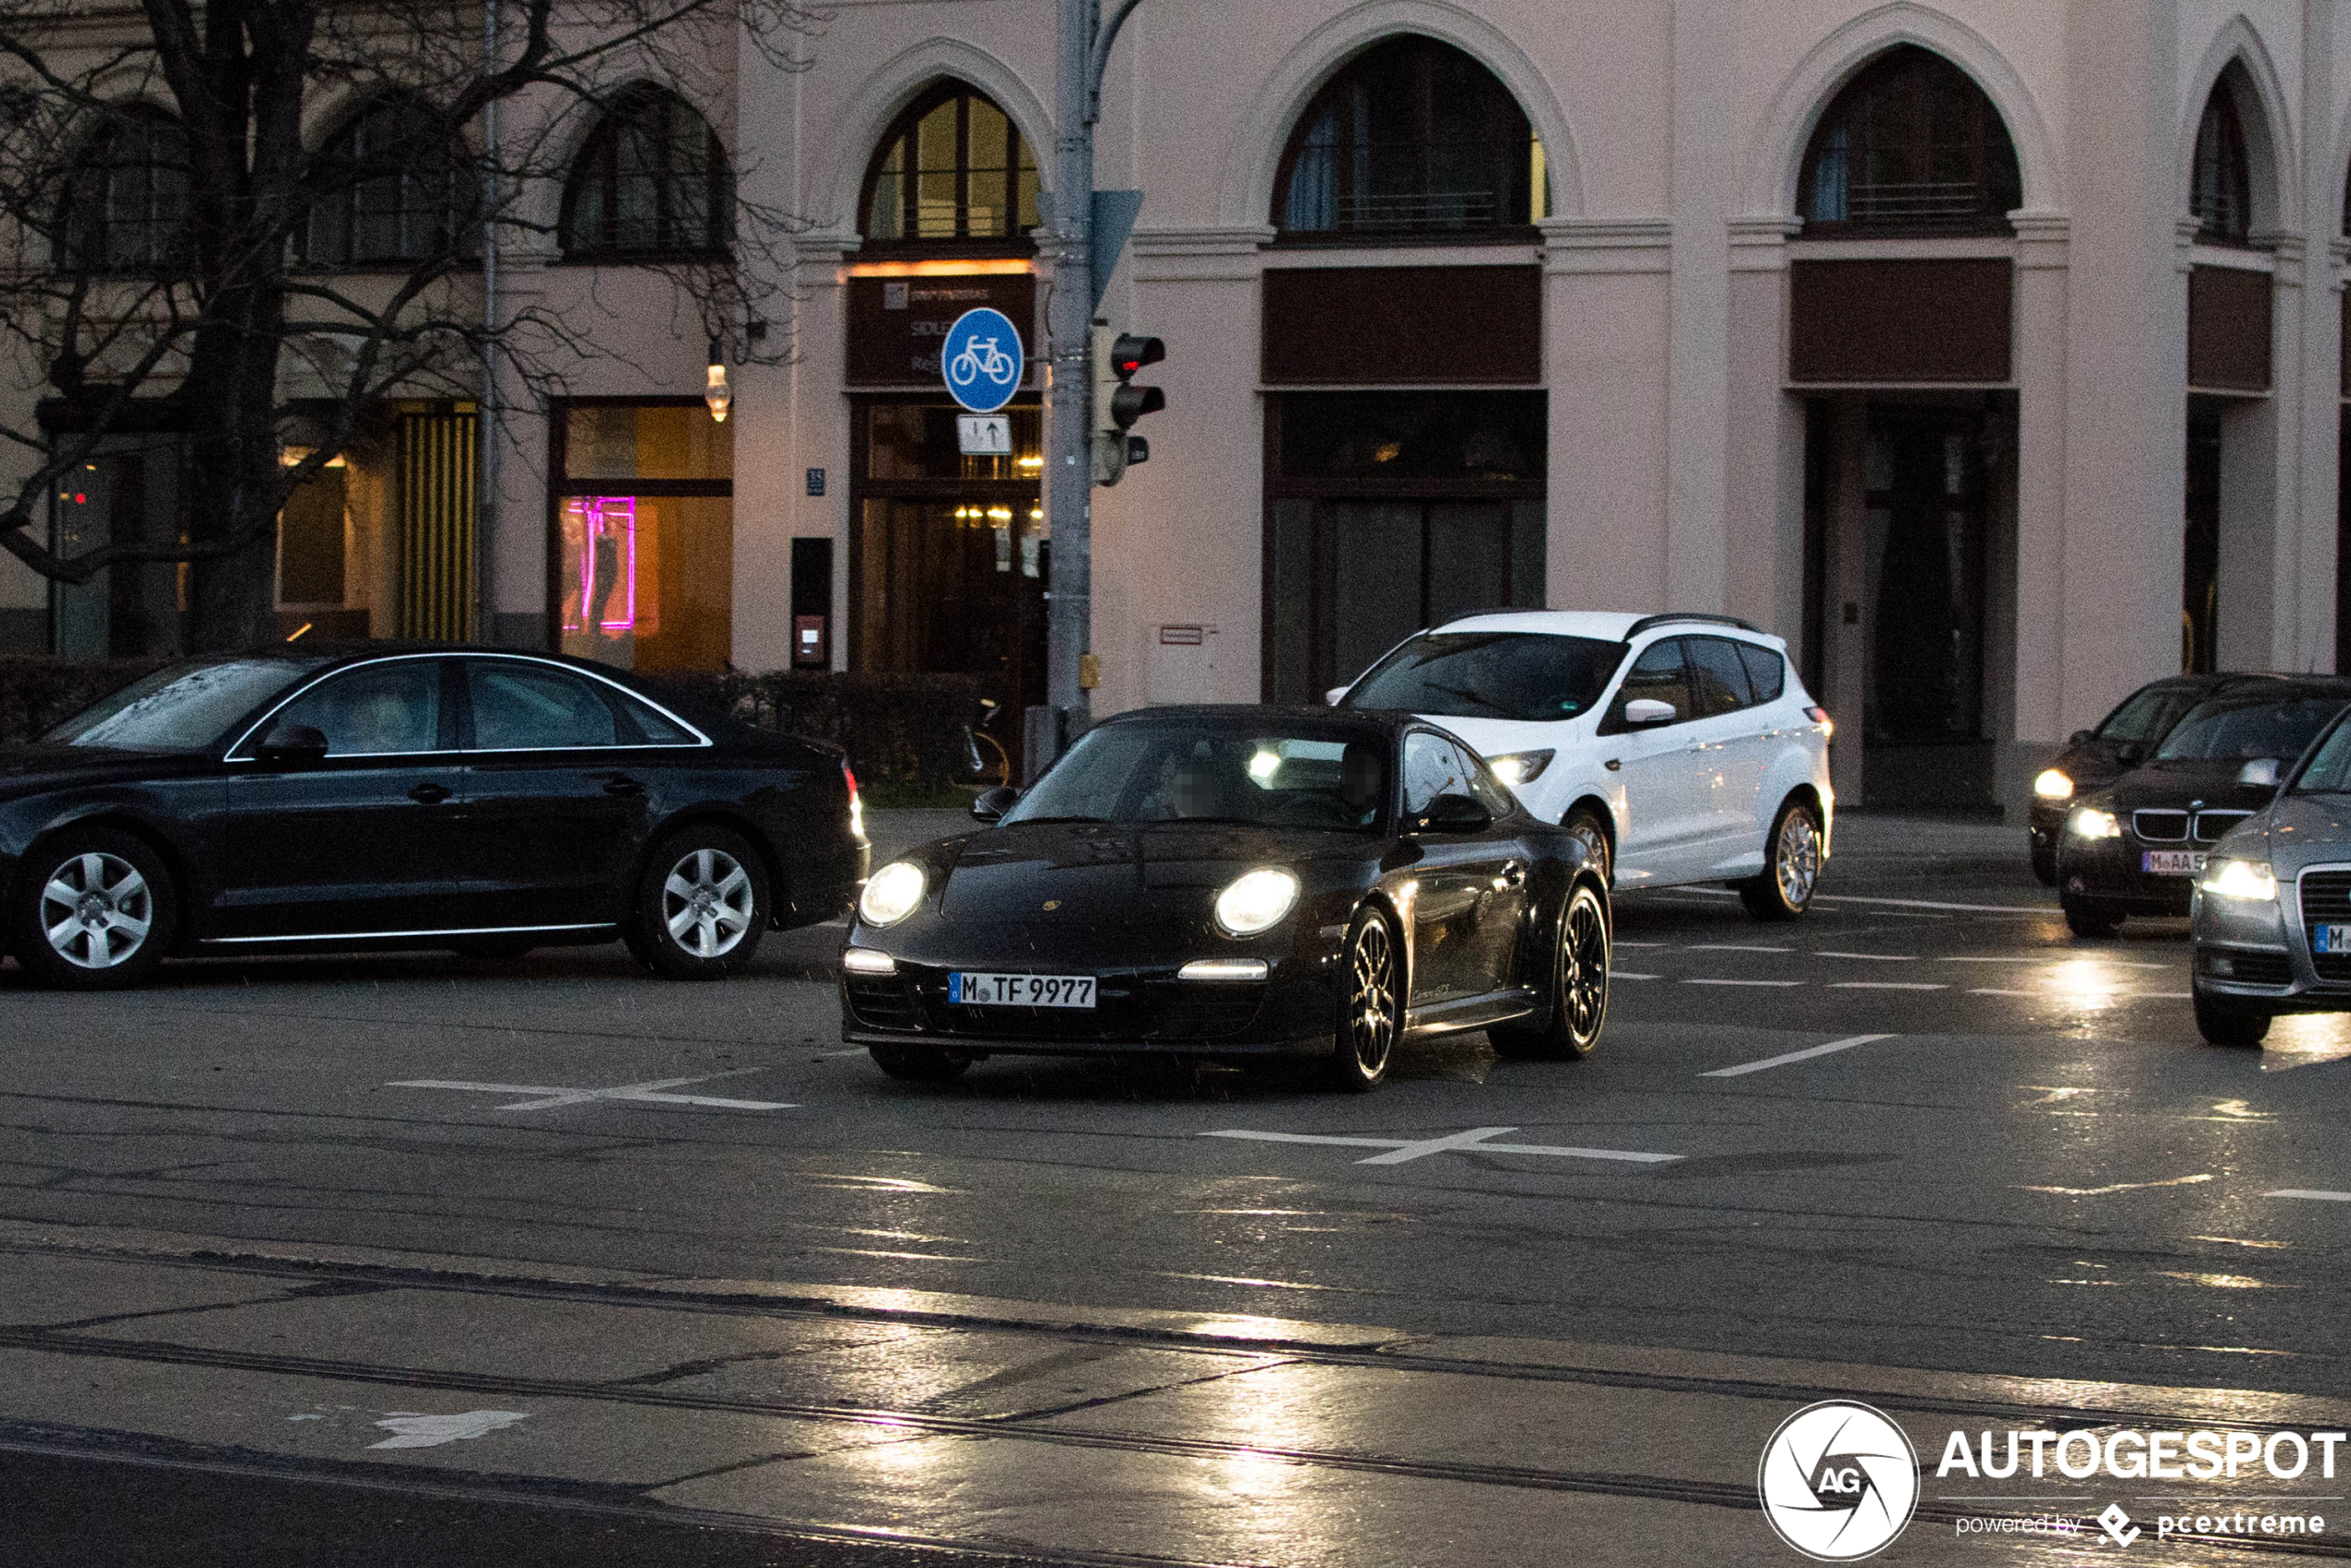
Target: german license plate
{"points": [[2172, 862], [2331, 939], [1020, 990]]}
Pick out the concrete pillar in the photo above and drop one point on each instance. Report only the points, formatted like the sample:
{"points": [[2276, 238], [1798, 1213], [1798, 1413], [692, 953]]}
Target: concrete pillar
{"points": [[1763, 504], [2316, 349], [2125, 347], [814, 434], [1844, 615], [1706, 40], [2037, 631]]}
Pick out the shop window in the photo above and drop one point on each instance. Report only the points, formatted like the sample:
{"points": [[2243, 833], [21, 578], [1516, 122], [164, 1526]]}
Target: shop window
{"points": [[126, 205], [127, 494], [645, 539], [392, 186], [2221, 192], [1412, 137], [1911, 144], [651, 184], [953, 168]]}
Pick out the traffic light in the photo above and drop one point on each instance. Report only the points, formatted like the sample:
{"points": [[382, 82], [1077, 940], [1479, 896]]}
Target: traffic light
{"points": [[1118, 403]]}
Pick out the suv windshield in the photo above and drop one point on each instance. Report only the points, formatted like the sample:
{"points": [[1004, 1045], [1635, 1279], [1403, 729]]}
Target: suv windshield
{"points": [[1529, 676], [1329, 777], [2232, 729], [184, 708]]}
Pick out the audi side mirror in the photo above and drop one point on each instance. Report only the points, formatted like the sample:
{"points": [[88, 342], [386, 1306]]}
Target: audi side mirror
{"points": [[1642, 712], [992, 804], [1456, 814], [1331, 698], [292, 744], [2261, 772]]}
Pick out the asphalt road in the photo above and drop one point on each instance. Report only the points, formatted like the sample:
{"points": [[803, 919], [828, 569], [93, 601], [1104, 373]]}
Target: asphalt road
{"points": [[1923, 1129]]}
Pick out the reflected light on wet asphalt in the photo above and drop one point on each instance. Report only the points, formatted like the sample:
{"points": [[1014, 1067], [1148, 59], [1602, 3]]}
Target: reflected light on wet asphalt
{"points": [[2304, 1039]]}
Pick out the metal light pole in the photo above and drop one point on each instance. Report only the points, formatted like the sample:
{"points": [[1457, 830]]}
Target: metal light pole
{"points": [[1082, 47]]}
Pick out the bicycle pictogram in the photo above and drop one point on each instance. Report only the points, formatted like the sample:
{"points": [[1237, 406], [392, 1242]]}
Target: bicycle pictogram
{"points": [[982, 358]]}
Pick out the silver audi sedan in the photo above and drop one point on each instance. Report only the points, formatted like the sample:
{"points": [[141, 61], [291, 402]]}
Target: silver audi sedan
{"points": [[2271, 911]]}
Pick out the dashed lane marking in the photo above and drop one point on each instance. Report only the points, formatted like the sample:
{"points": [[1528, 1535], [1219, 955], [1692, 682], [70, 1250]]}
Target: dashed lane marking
{"points": [[1629, 975], [1873, 957], [1734, 947], [2323, 1196], [1476, 1140], [1891, 903], [1742, 982], [1803, 1055], [1888, 986]]}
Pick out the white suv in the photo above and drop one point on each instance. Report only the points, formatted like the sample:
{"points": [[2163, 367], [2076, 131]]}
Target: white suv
{"points": [[1680, 748]]}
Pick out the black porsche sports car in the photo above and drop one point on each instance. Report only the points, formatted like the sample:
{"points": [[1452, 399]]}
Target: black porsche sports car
{"points": [[459, 797], [1235, 882], [2137, 846]]}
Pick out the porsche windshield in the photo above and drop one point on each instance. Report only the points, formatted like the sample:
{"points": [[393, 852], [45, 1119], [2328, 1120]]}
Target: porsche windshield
{"points": [[1332, 778], [185, 708], [1528, 676]]}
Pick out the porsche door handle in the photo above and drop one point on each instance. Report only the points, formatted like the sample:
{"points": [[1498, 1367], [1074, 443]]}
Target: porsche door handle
{"points": [[429, 793], [1514, 876]]}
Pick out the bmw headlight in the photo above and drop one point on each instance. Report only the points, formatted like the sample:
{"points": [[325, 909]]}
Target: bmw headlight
{"points": [[1520, 768], [2090, 823], [2053, 786], [2240, 879], [1256, 901], [891, 894]]}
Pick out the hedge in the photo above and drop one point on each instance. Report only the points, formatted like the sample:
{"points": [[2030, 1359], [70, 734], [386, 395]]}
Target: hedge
{"points": [[903, 733]]}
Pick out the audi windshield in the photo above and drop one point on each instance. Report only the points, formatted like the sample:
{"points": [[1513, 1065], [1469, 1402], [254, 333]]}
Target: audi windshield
{"points": [[1528, 676]]}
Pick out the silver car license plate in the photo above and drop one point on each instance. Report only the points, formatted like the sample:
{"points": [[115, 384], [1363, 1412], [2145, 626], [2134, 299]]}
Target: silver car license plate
{"points": [[2172, 862], [1020, 990], [2331, 939]]}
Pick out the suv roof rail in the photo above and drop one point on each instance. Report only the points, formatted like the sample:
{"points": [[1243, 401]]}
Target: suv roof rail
{"points": [[1646, 622]]}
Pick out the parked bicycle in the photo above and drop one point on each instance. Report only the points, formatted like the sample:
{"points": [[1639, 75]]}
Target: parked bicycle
{"points": [[976, 736]]}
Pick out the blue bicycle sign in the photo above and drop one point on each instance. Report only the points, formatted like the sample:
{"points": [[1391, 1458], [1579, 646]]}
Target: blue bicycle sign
{"points": [[982, 359]]}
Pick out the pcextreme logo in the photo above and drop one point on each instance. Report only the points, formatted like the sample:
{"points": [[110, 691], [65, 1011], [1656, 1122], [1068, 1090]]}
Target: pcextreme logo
{"points": [[1838, 1481]]}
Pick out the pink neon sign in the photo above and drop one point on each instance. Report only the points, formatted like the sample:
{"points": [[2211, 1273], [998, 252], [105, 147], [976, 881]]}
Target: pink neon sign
{"points": [[605, 563]]}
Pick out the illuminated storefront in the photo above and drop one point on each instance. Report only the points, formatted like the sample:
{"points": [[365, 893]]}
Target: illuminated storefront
{"points": [[642, 549]]}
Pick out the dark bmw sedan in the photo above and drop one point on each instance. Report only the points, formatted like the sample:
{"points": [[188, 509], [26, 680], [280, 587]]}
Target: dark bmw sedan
{"points": [[2137, 846], [451, 798], [1235, 882]]}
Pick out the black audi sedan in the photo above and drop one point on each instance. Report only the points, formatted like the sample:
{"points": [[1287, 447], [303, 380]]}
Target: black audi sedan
{"points": [[1235, 882], [2137, 846], [440, 797], [2124, 738]]}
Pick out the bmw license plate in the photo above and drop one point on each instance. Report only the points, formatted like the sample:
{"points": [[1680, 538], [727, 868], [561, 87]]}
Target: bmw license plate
{"points": [[2331, 939], [2172, 862], [1020, 990]]}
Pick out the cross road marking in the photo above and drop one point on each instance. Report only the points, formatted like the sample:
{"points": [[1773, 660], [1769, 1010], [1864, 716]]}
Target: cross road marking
{"points": [[549, 1096], [1474, 1141], [1803, 1055]]}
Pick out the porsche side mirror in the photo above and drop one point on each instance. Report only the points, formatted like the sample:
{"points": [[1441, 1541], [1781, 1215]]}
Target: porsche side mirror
{"points": [[2261, 772], [1331, 697], [1456, 814], [992, 804], [1642, 712], [292, 744]]}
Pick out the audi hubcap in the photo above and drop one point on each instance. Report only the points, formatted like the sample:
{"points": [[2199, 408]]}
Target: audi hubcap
{"points": [[1371, 1007], [1800, 859], [96, 910], [708, 903], [1584, 984]]}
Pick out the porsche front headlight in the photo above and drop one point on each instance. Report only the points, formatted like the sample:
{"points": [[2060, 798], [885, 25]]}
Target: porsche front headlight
{"points": [[892, 894], [1256, 901]]}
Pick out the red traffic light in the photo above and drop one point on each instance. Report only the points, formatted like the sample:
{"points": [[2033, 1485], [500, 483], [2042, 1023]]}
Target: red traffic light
{"points": [[1133, 351]]}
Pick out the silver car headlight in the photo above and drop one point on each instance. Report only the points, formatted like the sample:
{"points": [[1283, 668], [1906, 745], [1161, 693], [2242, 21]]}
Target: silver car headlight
{"points": [[2088, 822], [1255, 901], [892, 894], [2249, 879]]}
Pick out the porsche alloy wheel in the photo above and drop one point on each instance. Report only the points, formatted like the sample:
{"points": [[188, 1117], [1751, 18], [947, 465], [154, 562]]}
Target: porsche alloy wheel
{"points": [[1373, 1011], [1579, 988]]}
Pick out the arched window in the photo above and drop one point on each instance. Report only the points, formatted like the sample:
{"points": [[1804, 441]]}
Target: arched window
{"points": [[126, 203], [2220, 189], [1911, 144], [651, 184], [952, 169], [1411, 137], [391, 187]]}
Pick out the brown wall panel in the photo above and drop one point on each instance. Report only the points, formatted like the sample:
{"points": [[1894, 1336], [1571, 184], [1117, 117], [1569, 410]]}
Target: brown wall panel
{"points": [[1899, 321], [1403, 326], [897, 324], [2229, 328]]}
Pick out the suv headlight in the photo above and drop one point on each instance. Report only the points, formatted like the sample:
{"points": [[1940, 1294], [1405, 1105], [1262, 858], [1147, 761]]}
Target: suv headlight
{"points": [[891, 894], [2053, 786], [1255, 901], [2090, 823], [1520, 768], [2240, 879]]}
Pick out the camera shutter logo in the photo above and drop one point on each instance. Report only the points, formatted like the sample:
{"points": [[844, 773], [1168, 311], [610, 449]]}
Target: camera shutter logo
{"points": [[1838, 1481]]}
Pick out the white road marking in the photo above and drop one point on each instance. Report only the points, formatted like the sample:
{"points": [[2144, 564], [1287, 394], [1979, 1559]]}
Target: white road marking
{"points": [[1888, 986], [1987, 991], [1628, 974], [1622, 943], [2167, 996], [1892, 903], [1475, 1141], [1874, 957], [2322, 1196], [2024, 958], [548, 1095], [2119, 1187], [1742, 982], [1803, 1055], [1734, 947], [410, 1430]]}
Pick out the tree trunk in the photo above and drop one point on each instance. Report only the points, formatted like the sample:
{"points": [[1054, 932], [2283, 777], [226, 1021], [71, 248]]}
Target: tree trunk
{"points": [[232, 474]]}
